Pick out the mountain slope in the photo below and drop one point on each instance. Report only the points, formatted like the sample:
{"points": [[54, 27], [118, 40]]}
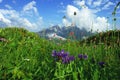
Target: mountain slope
{"points": [[65, 32]]}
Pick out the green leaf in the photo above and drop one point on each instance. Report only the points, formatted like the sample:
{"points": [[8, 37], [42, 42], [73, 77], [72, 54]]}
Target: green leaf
{"points": [[75, 76], [96, 75]]}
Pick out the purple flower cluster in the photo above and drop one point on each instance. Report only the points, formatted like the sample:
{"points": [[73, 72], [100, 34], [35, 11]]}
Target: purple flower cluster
{"points": [[63, 56], [82, 56]]}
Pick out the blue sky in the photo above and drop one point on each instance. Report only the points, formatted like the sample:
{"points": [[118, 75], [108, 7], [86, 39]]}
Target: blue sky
{"points": [[36, 15]]}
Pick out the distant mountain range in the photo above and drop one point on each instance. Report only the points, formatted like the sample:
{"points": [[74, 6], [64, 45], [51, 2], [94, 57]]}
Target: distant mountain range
{"points": [[64, 33]]}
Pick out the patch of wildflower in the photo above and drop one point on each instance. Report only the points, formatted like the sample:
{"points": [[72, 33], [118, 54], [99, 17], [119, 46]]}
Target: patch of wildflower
{"points": [[62, 56], [82, 56]]}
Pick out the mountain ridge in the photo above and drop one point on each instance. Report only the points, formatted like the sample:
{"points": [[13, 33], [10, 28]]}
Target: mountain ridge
{"points": [[65, 32]]}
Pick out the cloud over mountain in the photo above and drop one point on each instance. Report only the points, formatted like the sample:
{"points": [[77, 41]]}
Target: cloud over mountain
{"points": [[35, 15], [86, 17]]}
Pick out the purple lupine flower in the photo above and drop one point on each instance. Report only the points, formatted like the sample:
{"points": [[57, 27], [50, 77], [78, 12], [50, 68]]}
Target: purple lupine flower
{"points": [[65, 60], [54, 53], [62, 55], [85, 56], [62, 51], [65, 55], [71, 58], [80, 56], [101, 64], [59, 55]]}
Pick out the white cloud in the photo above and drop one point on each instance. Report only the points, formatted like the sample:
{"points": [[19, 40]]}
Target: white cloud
{"points": [[85, 18], [1, 1], [80, 3], [8, 6], [89, 2], [66, 23], [97, 3], [100, 24], [70, 12], [96, 10], [30, 7], [108, 5], [101, 3], [4, 20], [10, 17]]}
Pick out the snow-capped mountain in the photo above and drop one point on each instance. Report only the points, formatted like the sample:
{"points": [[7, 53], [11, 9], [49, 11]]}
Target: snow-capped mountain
{"points": [[64, 32], [54, 36]]}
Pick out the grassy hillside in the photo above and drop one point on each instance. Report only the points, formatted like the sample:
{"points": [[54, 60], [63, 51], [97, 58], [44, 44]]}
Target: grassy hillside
{"points": [[108, 38], [24, 55]]}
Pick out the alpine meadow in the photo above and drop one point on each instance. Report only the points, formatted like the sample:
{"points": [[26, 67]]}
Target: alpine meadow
{"points": [[28, 55]]}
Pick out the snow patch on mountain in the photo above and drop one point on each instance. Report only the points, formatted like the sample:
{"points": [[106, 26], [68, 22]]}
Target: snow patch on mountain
{"points": [[55, 36]]}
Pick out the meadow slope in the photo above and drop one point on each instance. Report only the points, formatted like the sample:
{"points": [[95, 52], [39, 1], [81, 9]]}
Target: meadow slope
{"points": [[24, 55]]}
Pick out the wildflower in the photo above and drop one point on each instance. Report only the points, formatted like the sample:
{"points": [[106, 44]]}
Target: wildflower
{"points": [[65, 54], [67, 59], [71, 58], [85, 56], [62, 55], [71, 34], [80, 56], [54, 53], [101, 64], [62, 52], [59, 55]]}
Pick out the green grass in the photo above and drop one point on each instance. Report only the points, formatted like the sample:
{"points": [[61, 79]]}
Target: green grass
{"points": [[26, 56]]}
